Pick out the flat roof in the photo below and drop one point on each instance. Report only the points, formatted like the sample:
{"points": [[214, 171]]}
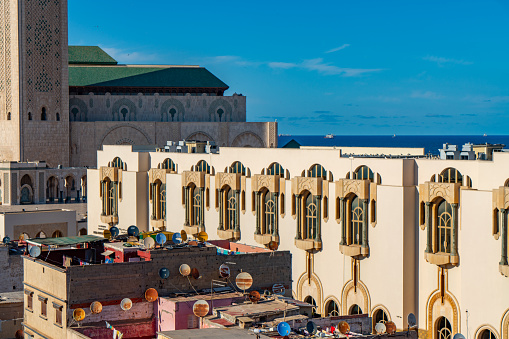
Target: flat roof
{"points": [[11, 297], [219, 333], [215, 296], [65, 241]]}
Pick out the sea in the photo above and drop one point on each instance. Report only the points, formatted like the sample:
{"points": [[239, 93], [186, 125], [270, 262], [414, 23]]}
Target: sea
{"points": [[431, 143]]}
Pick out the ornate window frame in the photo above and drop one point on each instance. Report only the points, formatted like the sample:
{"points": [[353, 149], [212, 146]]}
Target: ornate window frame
{"points": [[194, 180], [273, 187], [157, 197], [228, 203], [499, 225], [110, 191], [431, 195]]}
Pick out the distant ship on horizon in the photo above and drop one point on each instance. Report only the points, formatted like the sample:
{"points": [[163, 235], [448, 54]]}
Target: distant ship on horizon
{"points": [[329, 136]]}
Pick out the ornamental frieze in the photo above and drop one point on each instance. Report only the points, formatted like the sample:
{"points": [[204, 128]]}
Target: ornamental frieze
{"points": [[360, 188], [313, 185], [158, 174], [230, 179], [270, 182], [501, 198], [192, 177], [113, 173], [429, 191]]}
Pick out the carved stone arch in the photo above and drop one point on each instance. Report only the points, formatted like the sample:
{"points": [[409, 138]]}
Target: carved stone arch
{"points": [[121, 131], [121, 103], [504, 325], [433, 313], [200, 136], [220, 103], [351, 295], [167, 105], [82, 111], [248, 139], [305, 288], [326, 301], [481, 328]]}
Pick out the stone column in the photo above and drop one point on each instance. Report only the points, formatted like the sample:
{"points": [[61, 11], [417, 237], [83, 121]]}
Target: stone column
{"points": [[365, 219], [275, 230], [186, 204], [221, 209], [237, 203], [342, 205], [429, 227], [299, 216], [454, 236], [202, 207], [318, 232], [257, 211], [503, 227]]}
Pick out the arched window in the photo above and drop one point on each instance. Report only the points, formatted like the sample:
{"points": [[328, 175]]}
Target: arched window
{"points": [[450, 175], [58, 116], [168, 164], [57, 234], [276, 169], [29, 115], [41, 235], [82, 231], [444, 329], [24, 236], [364, 173], [231, 215], [310, 225], [238, 167], [331, 309], [75, 112], [220, 113], [355, 309], [109, 194], [52, 189], [356, 220], [202, 166], [158, 200], [317, 171], [380, 317], [9, 116], [118, 163], [43, 114], [269, 213], [310, 300], [125, 114], [196, 215], [172, 112], [487, 334], [444, 227]]}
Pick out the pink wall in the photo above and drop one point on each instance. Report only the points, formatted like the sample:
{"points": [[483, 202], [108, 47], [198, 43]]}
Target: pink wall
{"points": [[132, 330], [237, 247]]}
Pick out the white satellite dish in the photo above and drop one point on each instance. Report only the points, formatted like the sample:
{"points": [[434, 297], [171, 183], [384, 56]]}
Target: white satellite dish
{"points": [[149, 242], [380, 328], [35, 251]]}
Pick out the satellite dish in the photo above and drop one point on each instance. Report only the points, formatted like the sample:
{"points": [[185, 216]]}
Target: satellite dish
{"points": [[164, 273], [185, 270], [201, 308], [203, 236], [35, 251], [107, 234], [151, 295], [6, 240], [343, 327], [126, 304], [224, 271], [458, 336], [133, 231], [195, 273], [78, 314], [412, 321], [244, 281], [19, 334], [183, 235], [176, 238], [278, 289], [390, 327], [115, 231], [160, 238], [149, 242], [254, 296], [283, 328], [96, 307], [273, 246], [380, 328], [311, 327]]}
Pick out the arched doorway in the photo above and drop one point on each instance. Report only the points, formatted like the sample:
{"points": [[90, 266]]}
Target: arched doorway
{"points": [[26, 196], [52, 189]]}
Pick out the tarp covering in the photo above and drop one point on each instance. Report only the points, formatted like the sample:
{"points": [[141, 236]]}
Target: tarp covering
{"points": [[64, 241]]}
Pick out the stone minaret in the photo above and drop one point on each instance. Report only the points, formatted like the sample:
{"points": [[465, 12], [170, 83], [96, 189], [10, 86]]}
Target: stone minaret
{"points": [[34, 91]]}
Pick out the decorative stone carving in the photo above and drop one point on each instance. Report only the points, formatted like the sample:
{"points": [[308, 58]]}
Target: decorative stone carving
{"points": [[158, 174], [197, 178], [361, 188], [429, 191], [113, 173], [313, 185], [271, 182], [230, 179]]}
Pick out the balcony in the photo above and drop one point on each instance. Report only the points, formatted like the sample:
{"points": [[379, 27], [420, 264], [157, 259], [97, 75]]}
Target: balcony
{"points": [[354, 251], [308, 244], [109, 219], [504, 270], [442, 259], [265, 239], [228, 234], [160, 223], [194, 229]]}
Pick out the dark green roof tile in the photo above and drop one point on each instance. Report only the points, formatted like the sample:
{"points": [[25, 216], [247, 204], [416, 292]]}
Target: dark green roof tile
{"points": [[91, 55]]}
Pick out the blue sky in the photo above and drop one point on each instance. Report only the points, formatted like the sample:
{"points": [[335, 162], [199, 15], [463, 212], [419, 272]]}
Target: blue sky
{"points": [[356, 67]]}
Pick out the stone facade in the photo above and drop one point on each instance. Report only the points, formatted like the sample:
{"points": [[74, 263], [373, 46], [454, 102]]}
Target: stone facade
{"points": [[11, 266]]}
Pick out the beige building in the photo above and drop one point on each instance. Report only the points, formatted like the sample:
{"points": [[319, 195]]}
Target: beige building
{"points": [[385, 237], [60, 104]]}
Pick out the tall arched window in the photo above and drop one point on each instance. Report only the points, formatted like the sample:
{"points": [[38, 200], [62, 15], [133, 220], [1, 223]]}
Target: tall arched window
{"points": [[311, 208], [310, 300], [125, 114], [202, 166], [158, 200], [355, 309], [356, 221], [43, 114], [450, 175], [238, 167], [317, 171], [487, 334], [444, 227], [220, 113], [58, 116], [331, 309], [29, 116], [364, 173], [196, 211], [57, 234], [172, 112], [380, 317], [231, 215], [167, 164], [269, 213], [276, 169], [117, 162], [9, 116], [444, 329]]}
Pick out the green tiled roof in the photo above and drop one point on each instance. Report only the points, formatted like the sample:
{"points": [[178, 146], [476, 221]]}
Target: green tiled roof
{"points": [[132, 76], [65, 241], [89, 55]]}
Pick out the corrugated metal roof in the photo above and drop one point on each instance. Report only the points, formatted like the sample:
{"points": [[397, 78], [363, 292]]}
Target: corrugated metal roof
{"points": [[91, 55], [141, 76], [65, 241]]}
